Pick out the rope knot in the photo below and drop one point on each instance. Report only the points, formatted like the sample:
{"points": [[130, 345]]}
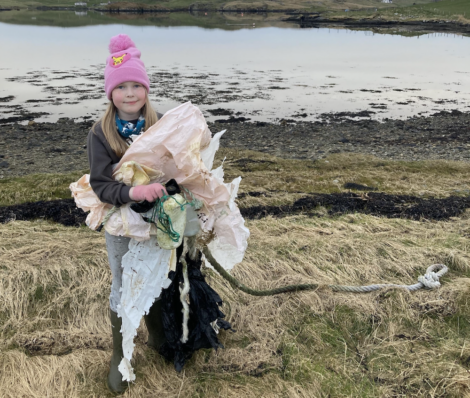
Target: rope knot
{"points": [[430, 279]]}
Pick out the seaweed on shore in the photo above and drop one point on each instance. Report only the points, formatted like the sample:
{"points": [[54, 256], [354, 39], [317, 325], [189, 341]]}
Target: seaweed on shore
{"points": [[373, 203], [381, 204], [62, 211]]}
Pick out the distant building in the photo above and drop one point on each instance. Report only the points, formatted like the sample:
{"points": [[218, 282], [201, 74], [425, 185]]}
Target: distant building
{"points": [[387, 1], [81, 4]]}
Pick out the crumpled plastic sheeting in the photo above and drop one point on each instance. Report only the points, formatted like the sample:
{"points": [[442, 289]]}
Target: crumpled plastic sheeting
{"points": [[133, 174], [123, 222], [145, 274], [87, 200], [128, 223], [207, 154], [180, 145], [229, 229]]}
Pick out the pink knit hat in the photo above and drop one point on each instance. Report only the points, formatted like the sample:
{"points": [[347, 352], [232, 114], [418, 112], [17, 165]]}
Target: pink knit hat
{"points": [[123, 65]]}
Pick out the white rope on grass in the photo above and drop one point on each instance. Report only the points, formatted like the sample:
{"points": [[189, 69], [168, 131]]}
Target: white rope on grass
{"points": [[430, 280]]}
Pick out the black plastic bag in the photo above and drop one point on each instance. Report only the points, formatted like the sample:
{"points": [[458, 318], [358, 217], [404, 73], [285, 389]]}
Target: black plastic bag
{"points": [[204, 303]]}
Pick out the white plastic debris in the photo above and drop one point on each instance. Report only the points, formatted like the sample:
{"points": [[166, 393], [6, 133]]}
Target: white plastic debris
{"points": [[144, 275], [192, 222], [208, 154], [132, 173], [179, 146], [87, 200], [128, 223]]}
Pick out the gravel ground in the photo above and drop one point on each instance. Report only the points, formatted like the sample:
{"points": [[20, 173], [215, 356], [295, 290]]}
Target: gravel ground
{"points": [[445, 135], [60, 147]]}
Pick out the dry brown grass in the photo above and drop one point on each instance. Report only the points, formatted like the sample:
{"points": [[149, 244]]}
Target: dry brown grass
{"points": [[56, 340], [463, 19]]}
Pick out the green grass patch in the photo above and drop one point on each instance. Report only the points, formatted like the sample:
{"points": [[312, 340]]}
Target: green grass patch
{"points": [[309, 6], [35, 187], [449, 7], [287, 179], [444, 10], [69, 19]]}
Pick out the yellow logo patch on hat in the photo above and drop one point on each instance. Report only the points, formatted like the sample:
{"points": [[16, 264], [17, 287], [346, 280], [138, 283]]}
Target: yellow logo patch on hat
{"points": [[119, 60]]}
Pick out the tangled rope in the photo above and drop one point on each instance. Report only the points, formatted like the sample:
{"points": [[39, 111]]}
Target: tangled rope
{"points": [[159, 214], [429, 281], [194, 202]]}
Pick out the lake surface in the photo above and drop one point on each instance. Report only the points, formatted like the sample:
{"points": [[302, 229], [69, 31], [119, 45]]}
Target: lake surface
{"points": [[265, 73]]}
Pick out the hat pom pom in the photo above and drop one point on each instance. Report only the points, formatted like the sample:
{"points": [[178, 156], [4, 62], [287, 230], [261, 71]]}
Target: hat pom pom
{"points": [[120, 43]]}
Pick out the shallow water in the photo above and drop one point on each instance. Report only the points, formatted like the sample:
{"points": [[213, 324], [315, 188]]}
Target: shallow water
{"points": [[263, 74]]}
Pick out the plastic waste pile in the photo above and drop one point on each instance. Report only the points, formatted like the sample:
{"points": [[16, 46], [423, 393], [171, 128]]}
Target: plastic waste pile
{"points": [[180, 147]]}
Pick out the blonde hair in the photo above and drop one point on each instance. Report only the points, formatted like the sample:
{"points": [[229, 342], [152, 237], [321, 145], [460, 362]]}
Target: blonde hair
{"points": [[111, 133]]}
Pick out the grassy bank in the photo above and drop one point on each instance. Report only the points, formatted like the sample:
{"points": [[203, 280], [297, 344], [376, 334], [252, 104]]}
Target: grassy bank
{"points": [[69, 19], [315, 5], [130, 12], [289, 178], [54, 281], [444, 10]]}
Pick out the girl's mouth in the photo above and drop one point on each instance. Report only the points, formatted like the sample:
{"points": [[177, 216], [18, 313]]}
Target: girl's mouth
{"points": [[130, 103]]}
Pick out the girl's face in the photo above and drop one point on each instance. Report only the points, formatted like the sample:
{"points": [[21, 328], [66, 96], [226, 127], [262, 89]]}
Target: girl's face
{"points": [[129, 98]]}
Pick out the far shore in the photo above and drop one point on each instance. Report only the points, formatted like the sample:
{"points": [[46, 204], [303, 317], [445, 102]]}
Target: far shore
{"points": [[353, 19]]}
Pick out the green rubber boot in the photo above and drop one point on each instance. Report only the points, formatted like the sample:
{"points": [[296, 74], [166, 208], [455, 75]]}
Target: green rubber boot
{"points": [[154, 324], [115, 383]]}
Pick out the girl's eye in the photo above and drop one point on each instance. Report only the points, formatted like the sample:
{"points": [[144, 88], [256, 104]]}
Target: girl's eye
{"points": [[120, 87], [137, 85]]}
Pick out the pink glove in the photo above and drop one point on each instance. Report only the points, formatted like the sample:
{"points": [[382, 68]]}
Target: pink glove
{"points": [[147, 192]]}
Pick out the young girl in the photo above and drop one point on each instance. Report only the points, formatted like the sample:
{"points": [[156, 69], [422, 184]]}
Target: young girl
{"points": [[129, 113]]}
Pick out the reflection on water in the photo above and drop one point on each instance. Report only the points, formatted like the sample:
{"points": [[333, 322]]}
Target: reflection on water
{"points": [[208, 20], [261, 74]]}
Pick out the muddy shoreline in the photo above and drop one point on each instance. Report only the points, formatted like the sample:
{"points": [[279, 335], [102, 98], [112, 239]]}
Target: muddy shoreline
{"points": [[61, 147], [305, 21]]}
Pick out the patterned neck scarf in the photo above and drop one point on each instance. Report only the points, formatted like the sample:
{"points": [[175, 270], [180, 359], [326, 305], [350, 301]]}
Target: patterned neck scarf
{"points": [[126, 129]]}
